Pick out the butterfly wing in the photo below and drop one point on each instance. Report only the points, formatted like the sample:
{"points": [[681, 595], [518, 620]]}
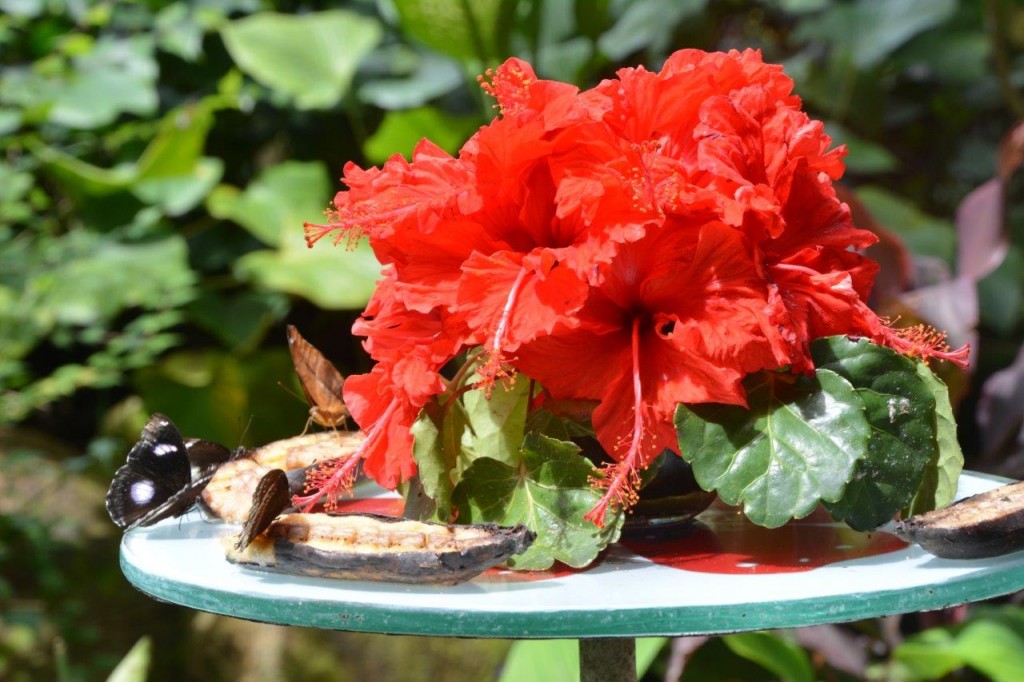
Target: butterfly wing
{"points": [[321, 381], [157, 479], [270, 498]]}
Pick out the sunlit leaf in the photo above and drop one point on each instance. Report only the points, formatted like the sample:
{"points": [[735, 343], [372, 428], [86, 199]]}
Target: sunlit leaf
{"points": [[99, 284], [559, 659], [134, 667], [400, 131], [498, 422], [647, 24], [333, 278], [795, 446], [438, 447], [414, 78], [274, 206], [783, 658], [466, 31], [549, 491], [117, 76], [311, 57], [900, 408], [939, 484]]}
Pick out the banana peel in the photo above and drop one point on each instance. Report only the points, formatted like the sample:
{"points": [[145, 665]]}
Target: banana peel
{"points": [[984, 525]]}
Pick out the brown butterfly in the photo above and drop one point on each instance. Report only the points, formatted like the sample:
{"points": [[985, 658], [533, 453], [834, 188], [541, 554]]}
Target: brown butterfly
{"points": [[270, 498], [321, 381]]}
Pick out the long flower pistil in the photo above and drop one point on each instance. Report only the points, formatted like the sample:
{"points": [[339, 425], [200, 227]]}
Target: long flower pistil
{"points": [[332, 479], [621, 480], [495, 367], [925, 342]]}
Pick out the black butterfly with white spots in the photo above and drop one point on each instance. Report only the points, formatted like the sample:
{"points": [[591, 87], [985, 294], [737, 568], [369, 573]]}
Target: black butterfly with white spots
{"points": [[163, 476]]}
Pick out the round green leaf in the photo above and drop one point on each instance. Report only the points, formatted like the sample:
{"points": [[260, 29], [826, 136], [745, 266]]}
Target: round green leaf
{"points": [[901, 411], [549, 492], [939, 483], [311, 57], [795, 446]]}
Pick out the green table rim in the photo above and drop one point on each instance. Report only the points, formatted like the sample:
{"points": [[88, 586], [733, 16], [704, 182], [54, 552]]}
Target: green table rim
{"points": [[645, 622]]}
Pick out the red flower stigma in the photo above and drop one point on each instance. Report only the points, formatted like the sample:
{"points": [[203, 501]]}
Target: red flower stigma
{"points": [[924, 342]]}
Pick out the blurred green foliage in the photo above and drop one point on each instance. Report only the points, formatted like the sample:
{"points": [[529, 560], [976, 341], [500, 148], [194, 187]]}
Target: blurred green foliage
{"points": [[158, 159]]}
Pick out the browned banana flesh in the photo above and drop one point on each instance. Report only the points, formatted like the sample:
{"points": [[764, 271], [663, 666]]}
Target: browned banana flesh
{"points": [[984, 525], [228, 495], [381, 548]]}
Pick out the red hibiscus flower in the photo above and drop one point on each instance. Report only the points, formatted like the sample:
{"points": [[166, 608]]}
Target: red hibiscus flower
{"points": [[642, 244], [672, 322]]}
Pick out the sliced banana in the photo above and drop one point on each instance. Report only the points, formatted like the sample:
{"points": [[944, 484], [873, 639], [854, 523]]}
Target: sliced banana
{"points": [[380, 548], [983, 525]]}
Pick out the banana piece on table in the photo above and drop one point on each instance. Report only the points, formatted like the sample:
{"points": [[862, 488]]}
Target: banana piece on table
{"points": [[983, 525], [380, 548]]}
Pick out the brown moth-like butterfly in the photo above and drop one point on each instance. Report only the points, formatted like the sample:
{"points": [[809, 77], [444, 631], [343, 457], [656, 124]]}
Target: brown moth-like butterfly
{"points": [[321, 381], [270, 498]]}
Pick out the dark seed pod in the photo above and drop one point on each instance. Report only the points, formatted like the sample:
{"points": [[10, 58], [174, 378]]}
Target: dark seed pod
{"points": [[984, 525]]}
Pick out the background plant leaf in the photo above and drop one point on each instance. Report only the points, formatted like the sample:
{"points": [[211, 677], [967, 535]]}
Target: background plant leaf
{"points": [[783, 658], [310, 57]]}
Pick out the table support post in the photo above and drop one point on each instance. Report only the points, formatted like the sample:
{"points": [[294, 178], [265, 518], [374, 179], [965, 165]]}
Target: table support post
{"points": [[608, 659]]}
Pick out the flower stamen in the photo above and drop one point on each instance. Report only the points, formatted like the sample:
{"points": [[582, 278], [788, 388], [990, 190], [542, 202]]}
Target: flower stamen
{"points": [[332, 479], [495, 367], [621, 480]]}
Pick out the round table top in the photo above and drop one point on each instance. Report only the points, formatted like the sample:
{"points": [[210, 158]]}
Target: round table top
{"points": [[725, 575]]}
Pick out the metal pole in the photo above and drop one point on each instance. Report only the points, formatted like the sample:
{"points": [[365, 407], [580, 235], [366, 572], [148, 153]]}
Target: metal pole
{"points": [[608, 659]]}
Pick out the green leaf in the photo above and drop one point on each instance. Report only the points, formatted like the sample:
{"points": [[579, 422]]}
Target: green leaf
{"points": [[498, 423], [923, 234], [992, 648], [178, 194], [117, 76], [929, 655], [310, 57], [901, 411], [783, 658], [466, 31], [991, 642], [549, 491], [862, 156], [112, 276], [171, 173], [333, 278], [939, 483], [223, 398], [238, 320], [437, 447], [401, 131], [274, 205], [134, 667], [559, 659], [430, 76], [795, 446], [647, 25], [870, 31], [550, 424]]}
